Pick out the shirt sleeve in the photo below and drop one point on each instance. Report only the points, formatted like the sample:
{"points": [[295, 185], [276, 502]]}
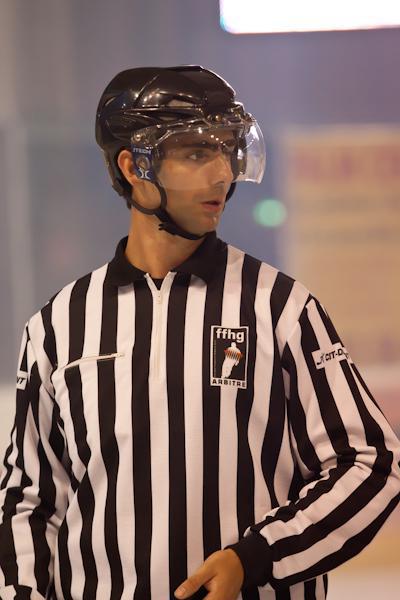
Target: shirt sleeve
{"points": [[347, 463], [34, 481]]}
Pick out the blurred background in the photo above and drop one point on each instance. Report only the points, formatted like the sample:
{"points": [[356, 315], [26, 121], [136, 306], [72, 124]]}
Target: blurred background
{"points": [[327, 212]]}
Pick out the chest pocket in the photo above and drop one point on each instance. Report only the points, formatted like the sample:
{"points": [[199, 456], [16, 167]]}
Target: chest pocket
{"points": [[85, 392], [96, 359], [90, 377], [81, 382]]}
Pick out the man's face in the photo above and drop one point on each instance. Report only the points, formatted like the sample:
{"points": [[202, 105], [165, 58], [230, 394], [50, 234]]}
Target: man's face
{"points": [[196, 174]]}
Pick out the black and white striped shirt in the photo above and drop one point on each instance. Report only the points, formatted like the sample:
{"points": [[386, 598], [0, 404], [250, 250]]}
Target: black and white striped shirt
{"points": [[156, 426]]}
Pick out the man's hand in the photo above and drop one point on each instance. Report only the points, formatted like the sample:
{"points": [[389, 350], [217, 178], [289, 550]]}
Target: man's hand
{"points": [[221, 574]]}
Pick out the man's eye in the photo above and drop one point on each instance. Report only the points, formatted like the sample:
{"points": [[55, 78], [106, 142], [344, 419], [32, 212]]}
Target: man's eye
{"points": [[198, 155]]}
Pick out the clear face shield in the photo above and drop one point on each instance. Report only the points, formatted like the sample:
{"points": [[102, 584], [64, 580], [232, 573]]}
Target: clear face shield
{"points": [[196, 155]]}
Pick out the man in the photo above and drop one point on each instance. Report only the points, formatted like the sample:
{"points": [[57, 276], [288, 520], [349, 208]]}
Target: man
{"points": [[141, 466]]}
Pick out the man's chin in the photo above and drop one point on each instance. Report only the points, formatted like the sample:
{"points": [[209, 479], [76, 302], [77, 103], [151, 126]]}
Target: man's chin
{"points": [[209, 226]]}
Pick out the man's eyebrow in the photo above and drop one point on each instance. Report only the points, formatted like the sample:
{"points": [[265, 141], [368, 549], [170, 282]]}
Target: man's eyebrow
{"points": [[197, 144], [193, 145]]}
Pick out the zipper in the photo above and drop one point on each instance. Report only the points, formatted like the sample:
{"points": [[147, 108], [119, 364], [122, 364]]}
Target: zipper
{"points": [[158, 325]]}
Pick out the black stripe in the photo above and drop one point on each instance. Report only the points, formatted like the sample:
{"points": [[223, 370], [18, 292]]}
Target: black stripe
{"points": [[211, 418], [333, 334], [8, 559], [141, 438], [279, 296], [49, 342], [6, 463], [108, 441], [24, 361], [23, 366], [56, 438], [296, 484], [64, 560], [310, 590], [73, 382], [326, 581], [297, 417], [373, 433], [85, 494], [275, 427], [86, 501], [364, 386], [47, 495], [77, 317], [244, 399], [176, 420]]}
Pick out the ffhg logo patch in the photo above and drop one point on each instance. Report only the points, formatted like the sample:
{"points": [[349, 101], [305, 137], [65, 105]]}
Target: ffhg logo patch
{"points": [[228, 352]]}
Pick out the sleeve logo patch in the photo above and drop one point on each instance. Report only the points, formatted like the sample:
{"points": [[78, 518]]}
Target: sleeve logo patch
{"points": [[22, 378], [332, 354]]}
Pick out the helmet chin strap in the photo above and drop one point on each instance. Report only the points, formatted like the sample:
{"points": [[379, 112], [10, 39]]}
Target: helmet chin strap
{"points": [[166, 222]]}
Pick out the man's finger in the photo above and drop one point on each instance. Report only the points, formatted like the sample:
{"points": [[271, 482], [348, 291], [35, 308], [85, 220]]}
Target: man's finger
{"points": [[193, 583]]}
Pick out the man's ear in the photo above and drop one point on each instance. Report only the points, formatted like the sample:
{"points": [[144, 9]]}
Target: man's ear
{"points": [[125, 163]]}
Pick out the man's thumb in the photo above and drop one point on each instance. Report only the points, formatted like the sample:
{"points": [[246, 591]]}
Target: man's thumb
{"points": [[191, 585]]}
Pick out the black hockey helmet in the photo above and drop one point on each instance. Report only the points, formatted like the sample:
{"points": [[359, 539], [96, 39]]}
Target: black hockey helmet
{"points": [[155, 102]]}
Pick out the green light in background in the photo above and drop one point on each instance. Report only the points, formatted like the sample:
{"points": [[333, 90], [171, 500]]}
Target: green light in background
{"points": [[269, 213]]}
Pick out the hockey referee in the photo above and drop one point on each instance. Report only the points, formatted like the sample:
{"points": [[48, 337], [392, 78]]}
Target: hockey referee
{"points": [[189, 424]]}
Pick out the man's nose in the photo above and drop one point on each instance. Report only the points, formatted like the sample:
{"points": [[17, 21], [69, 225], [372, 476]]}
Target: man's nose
{"points": [[220, 168]]}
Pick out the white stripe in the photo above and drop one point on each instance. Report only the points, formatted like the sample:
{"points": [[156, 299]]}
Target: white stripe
{"points": [[262, 384], [319, 588], [37, 335], [284, 466], [98, 478], [159, 440], [123, 430], [22, 535], [297, 592], [291, 312], [60, 322], [193, 391], [93, 315], [391, 441], [228, 437], [96, 469]]}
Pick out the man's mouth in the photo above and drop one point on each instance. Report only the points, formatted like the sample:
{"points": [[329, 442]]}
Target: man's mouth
{"points": [[213, 206]]}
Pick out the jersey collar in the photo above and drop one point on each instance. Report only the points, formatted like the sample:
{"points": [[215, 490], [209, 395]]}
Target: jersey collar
{"points": [[204, 262]]}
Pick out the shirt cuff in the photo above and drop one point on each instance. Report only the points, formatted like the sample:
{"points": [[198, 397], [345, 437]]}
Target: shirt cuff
{"points": [[256, 557]]}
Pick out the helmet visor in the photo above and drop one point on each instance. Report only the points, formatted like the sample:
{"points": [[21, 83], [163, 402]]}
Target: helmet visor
{"points": [[234, 149]]}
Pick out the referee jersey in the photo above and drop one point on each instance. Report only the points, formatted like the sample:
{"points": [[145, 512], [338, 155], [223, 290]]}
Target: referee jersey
{"points": [[156, 426]]}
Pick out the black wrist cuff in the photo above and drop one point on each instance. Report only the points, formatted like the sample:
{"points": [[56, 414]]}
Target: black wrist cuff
{"points": [[255, 554]]}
